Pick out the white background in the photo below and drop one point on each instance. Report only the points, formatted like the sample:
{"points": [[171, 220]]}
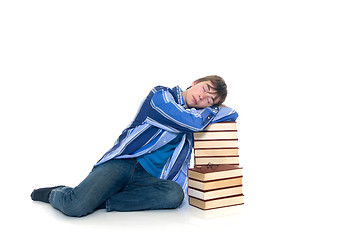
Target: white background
{"points": [[73, 74]]}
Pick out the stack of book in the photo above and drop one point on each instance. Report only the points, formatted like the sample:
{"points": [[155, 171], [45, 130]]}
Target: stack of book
{"points": [[216, 179], [217, 144]]}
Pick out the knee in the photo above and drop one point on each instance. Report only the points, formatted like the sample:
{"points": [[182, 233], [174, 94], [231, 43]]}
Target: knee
{"points": [[175, 195], [72, 209], [69, 204]]}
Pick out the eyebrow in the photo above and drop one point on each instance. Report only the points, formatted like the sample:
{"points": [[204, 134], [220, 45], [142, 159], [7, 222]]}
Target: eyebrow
{"points": [[209, 90]]}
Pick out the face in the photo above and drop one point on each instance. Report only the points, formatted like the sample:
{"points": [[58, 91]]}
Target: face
{"points": [[200, 95]]}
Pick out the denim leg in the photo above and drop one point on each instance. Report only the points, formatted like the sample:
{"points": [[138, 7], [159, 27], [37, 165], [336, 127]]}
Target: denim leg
{"points": [[146, 192], [103, 182]]}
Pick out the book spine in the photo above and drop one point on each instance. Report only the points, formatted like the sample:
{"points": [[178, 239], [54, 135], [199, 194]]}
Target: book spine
{"points": [[216, 180], [216, 203], [213, 194], [220, 198]]}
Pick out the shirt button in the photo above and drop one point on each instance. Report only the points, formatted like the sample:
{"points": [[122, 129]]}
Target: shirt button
{"points": [[165, 141], [208, 117]]}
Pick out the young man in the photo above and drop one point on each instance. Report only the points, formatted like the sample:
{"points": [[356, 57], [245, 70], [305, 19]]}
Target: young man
{"points": [[147, 166]]}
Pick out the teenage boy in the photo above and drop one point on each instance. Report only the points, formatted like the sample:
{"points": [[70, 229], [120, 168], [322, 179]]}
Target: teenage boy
{"points": [[147, 166]]}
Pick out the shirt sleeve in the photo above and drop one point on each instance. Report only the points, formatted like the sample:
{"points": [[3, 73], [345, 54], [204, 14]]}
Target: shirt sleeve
{"points": [[225, 114], [171, 116]]}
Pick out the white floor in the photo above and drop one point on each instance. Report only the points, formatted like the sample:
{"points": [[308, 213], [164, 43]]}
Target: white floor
{"points": [[179, 222], [275, 214]]}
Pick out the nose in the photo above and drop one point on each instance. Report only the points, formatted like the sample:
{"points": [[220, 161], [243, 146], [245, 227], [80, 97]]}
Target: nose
{"points": [[202, 95]]}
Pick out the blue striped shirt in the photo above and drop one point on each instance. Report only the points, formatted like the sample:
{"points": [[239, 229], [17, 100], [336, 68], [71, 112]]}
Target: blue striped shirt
{"points": [[162, 117], [154, 162]]}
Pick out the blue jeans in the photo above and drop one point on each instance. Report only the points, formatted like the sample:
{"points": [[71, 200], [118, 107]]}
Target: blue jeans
{"points": [[123, 185]]}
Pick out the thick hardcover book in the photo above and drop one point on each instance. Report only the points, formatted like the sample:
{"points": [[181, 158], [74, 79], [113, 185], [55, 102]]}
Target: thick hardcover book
{"points": [[215, 184], [216, 203], [202, 161], [211, 152], [214, 172], [217, 193], [218, 131], [221, 126], [225, 143], [215, 135]]}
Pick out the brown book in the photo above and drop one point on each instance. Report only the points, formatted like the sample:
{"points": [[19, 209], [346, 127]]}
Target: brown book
{"points": [[214, 172], [226, 143], [221, 126], [215, 135], [218, 131], [211, 152], [216, 203], [215, 193], [202, 161], [215, 184]]}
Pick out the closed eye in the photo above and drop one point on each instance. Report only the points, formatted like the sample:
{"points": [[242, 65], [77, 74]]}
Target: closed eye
{"points": [[211, 98]]}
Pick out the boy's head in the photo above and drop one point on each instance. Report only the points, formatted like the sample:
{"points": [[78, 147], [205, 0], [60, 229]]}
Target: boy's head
{"points": [[206, 92]]}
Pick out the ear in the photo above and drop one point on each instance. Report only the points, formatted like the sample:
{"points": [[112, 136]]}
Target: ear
{"points": [[194, 83]]}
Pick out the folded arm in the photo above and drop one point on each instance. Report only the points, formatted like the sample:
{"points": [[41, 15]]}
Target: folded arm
{"points": [[166, 113]]}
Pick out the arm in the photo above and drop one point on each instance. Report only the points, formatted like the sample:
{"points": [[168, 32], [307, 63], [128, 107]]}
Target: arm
{"points": [[225, 114], [166, 113]]}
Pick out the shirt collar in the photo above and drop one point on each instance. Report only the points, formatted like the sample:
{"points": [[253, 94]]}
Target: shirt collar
{"points": [[179, 96]]}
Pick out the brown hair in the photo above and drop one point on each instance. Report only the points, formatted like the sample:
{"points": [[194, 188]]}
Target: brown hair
{"points": [[218, 85]]}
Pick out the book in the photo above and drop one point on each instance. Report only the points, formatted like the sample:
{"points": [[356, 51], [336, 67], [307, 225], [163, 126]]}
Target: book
{"points": [[218, 135], [206, 156], [222, 126], [222, 130], [212, 152], [215, 193], [225, 143], [216, 203], [203, 161], [214, 172], [215, 184]]}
